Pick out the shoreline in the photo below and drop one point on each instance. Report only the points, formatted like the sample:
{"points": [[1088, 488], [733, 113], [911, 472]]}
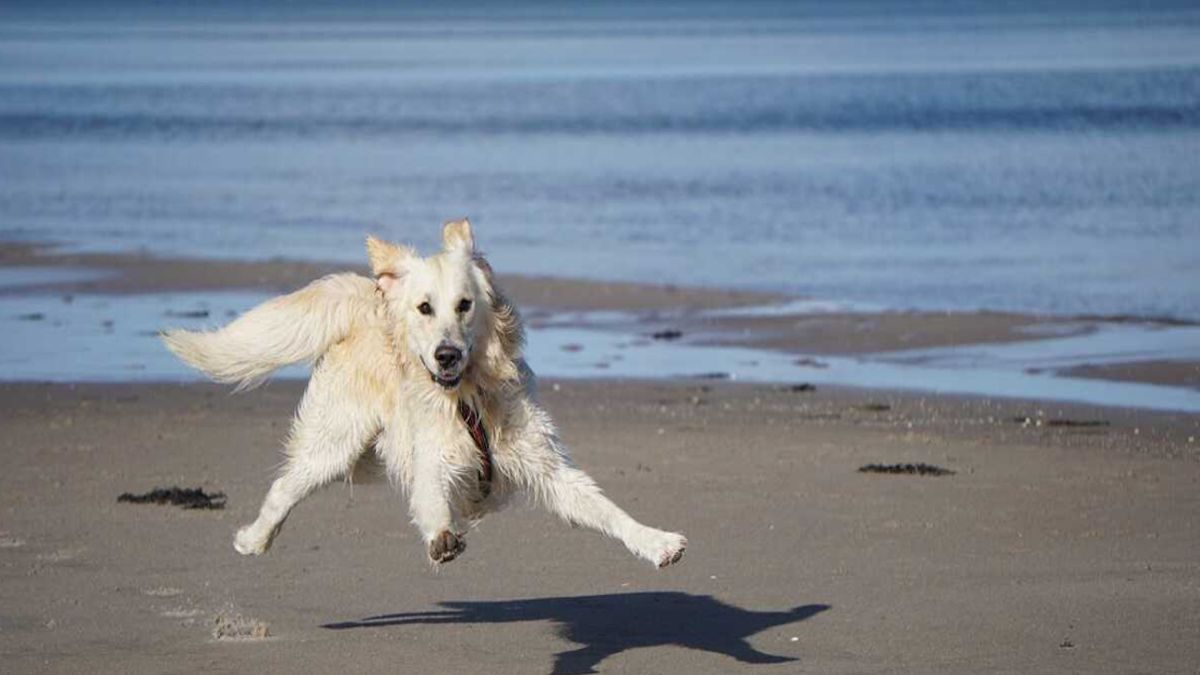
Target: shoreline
{"points": [[143, 272], [135, 273], [814, 331]]}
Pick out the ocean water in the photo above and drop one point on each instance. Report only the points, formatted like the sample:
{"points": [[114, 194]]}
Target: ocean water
{"points": [[921, 155]]}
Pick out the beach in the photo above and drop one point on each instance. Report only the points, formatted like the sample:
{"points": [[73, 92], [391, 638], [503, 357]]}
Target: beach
{"points": [[1049, 549], [890, 309], [1063, 541]]}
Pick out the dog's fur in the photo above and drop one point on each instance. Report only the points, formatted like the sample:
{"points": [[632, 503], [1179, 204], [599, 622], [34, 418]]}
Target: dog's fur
{"points": [[385, 377]]}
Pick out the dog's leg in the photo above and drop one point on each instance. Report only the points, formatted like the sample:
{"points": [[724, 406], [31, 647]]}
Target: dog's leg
{"points": [[573, 495], [430, 506], [328, 435]]}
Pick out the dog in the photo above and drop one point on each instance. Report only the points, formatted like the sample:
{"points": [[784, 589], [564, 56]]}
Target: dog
{"points": [[423, 365]]}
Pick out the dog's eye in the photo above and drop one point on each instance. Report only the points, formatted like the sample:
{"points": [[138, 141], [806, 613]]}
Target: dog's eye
{"points": [[464, 306], [425, 308]]}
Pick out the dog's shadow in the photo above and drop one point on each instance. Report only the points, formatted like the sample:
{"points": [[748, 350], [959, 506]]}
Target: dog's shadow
{"points": [[610, 624]]}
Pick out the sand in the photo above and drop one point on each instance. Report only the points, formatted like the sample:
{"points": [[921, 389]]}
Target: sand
{"points": [[1176, 373], [139, 273], [839, 333], [1051, 549]]}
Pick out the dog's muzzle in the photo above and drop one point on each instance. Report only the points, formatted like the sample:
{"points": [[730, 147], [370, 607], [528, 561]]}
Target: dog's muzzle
{"points": [[449, 366]]}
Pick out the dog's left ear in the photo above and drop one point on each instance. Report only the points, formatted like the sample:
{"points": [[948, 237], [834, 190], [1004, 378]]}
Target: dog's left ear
{"points": [[457, 236]]}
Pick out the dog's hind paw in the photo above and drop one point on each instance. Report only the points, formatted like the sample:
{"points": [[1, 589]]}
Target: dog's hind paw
{"points": [[248, 542], [661, 548], [446, 546], [673, 551]]}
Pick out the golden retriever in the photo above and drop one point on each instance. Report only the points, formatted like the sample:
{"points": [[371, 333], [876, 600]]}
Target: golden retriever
{"points": [[422, 364]]}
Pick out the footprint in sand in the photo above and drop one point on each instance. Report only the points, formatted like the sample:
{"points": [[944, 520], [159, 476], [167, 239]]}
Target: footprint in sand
{"points": [[228, 624], [186, 616], [233, 626], [181, 613], [61, 555], [162, 591], [9, 541]]}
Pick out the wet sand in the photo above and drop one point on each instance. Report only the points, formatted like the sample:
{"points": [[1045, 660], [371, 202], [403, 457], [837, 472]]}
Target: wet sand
{"points": [[137, 273], [823, 332], [861, 333], [1052, 548], [1174, 373]]}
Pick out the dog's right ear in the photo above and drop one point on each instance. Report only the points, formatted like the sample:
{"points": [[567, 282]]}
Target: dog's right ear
{"points": [[389, 261]]}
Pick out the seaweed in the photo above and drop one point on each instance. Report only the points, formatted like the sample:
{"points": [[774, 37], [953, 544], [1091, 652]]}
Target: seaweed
{"points": [[188, 498], [918, 469]]}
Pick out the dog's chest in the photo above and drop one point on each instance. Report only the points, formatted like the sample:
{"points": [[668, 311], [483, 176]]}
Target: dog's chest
{"points": [[460, 449], [459, 438]]}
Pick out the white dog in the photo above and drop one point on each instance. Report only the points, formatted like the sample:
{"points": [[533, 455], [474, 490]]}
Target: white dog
{"points": [[424, 365]]}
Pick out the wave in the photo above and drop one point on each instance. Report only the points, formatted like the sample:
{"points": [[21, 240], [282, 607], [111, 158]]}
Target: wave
{"points": [[215, 127], [1166, 99]]}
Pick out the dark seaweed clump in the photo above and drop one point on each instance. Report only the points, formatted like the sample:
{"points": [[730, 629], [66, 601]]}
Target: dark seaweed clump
{"points": [[188, 498], [918, 469]]}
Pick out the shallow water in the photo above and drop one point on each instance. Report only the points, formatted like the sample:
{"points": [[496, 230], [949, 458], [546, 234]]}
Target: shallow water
{"points": [[600, 354], [1035, 157], [114, 338], [88, 338], [15, 278]]}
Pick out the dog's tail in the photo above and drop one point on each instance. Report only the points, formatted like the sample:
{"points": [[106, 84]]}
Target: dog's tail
{"points": [[288, 329]]}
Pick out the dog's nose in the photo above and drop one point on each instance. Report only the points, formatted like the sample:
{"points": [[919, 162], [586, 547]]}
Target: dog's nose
{"points": [[447, 355]]}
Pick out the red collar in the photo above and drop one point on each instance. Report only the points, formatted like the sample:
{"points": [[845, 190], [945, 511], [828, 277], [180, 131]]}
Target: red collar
{"points": [[478, 434]]}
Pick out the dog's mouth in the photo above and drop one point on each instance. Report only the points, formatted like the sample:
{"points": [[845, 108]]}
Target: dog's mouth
{"points": [[446, 380], [442, 378]]}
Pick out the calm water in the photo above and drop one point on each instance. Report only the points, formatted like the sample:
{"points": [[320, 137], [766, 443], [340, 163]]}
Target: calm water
{"points": [[940, 156]]}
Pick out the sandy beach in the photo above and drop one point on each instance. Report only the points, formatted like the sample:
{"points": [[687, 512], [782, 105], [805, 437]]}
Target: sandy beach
{"points": [[1050, 549], [1065, 539], [889, 308]]}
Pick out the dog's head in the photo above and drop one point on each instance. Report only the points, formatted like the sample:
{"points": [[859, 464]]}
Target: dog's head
{"points": [[446, 312]]}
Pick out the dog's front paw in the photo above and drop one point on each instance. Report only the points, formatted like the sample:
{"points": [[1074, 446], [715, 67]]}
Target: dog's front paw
{"points": [[446, 546], [248, 541]]}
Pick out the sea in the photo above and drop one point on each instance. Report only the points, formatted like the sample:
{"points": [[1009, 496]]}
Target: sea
{"points": [[1020, 156]]}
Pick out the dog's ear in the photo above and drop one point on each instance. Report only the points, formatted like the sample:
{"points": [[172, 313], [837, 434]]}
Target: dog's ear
{"points": [[485, 267], [389, 261], [504, 339], [457, 236], [503, 335]]}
